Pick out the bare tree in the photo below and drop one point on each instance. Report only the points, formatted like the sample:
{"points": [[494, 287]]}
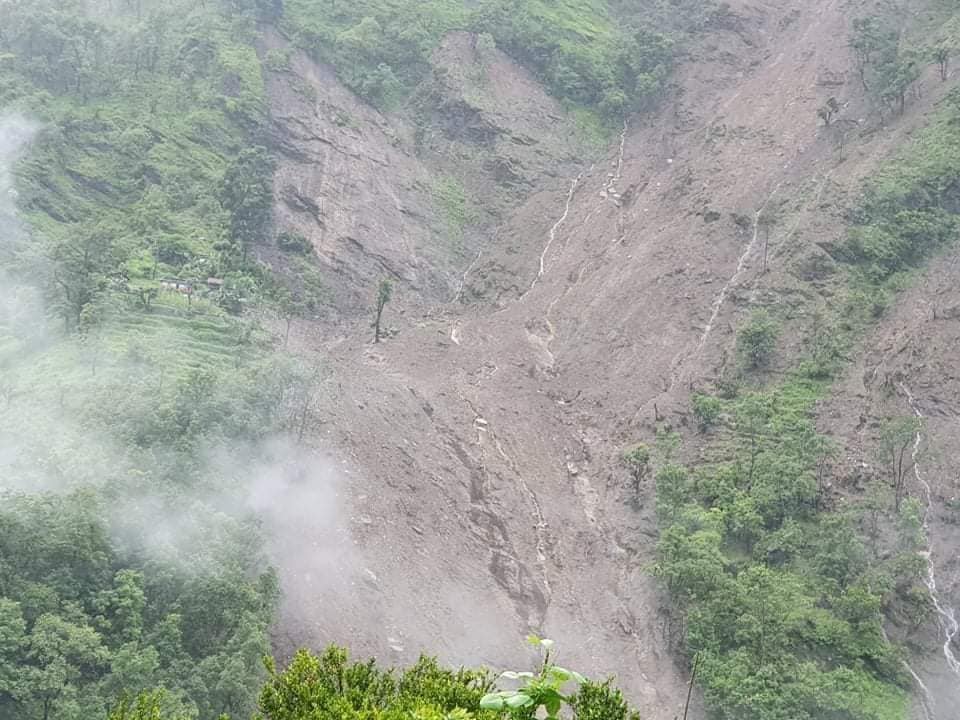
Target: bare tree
{"points": [[896, 442], [767, 219], [941, 55], [826, 111]]}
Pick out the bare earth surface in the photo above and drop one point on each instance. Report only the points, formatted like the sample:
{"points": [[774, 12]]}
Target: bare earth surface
{"points": [[481, 496]]}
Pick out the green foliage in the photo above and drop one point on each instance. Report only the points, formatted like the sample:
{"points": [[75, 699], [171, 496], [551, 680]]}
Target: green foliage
{"points": [[826, 344], [600, 701], [147, 163], [538, 691], [450, 197], [637, 460], [612, 57], [779, 599], [909, 212], [542, 694], [875, 45], [329, 686], [706, 409], [294, 243], [580, 52], [145, 706], [86, 626], [172, 593], [897, 438], [247, 197], [888, 63], [757, 339]]}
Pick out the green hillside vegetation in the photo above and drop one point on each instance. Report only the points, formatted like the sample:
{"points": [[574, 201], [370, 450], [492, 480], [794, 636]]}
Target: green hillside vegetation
{"points": [[147, 170], [93, 621], [775, 588], [608, 57], [331, 686], [781, 592], [127, 574], [909, 213]]}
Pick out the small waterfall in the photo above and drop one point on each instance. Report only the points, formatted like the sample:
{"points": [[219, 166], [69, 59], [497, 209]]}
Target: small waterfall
{"points": [[946, 616], [553, 233]]}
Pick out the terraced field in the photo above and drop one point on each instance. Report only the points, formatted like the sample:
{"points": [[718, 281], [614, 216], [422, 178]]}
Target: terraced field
{"points": [[187, 342], [163, 340]]}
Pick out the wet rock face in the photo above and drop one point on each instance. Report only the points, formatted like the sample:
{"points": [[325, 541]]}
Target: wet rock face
{"points": [[493, 114], [348, 182], [367, 190]]}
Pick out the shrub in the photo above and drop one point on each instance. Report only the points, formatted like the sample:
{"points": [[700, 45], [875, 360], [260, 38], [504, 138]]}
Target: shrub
{"points": [[294, 243], [637, 461], [757, 339], [706, 409]]}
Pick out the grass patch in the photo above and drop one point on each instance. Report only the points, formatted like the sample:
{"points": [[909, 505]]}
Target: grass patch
{"points": [[454, 205]]}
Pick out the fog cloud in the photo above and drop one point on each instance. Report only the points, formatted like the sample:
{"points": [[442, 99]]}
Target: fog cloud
{"points": [[47, 444]]}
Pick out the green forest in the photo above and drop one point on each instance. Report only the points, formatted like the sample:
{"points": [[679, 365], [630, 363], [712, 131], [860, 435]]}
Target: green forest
{"points": [[143, 384]]}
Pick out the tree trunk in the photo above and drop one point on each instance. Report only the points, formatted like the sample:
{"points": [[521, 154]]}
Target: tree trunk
{"points": [[766, 244], [376, 324]]}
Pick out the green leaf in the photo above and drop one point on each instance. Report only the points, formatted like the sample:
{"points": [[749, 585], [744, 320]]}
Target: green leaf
{"points": [[534, 640], [493, 701], [578, 677], [519, 701]]}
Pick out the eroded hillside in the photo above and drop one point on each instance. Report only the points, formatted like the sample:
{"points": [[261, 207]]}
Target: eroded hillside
{"points": [[484, 438], [667, 370]]}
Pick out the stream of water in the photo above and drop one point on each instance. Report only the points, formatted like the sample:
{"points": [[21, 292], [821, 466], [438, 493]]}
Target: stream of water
{"points": [[553, 233], [946, 615]]}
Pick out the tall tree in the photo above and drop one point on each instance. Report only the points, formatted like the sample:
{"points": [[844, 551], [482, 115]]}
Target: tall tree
{"points": [[247, 195], [82, 264], [384, 294], [897, 439]]}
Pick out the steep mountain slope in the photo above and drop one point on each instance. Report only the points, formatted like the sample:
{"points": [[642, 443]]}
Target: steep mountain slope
{"points": [[484, 437], [909, 366], [380, 197], [561, 288]]}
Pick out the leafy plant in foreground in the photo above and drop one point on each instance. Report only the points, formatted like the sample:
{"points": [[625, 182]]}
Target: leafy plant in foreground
{"points": [[539, 690]]}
